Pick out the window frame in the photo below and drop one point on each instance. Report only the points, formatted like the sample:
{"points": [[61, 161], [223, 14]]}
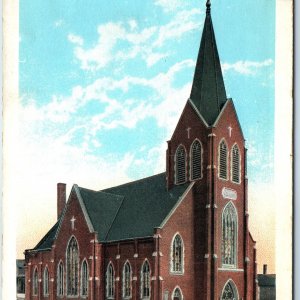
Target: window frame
{"points": [[172, 271], [239, 164], [235, 256], [46, 282], [84, 262], [127, 263], [142, 281], [191, 160], [107, 295], [35, 282], [176, 165], [60, 280], [177, 288], [219, 160], [233, 287]]}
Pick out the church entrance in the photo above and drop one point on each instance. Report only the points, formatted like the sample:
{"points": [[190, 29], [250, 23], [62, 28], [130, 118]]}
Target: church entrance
{"points": [[229, 291]]}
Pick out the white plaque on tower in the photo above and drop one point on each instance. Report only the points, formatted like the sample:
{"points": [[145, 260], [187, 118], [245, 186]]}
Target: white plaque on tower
{"points": [[229, 193]]}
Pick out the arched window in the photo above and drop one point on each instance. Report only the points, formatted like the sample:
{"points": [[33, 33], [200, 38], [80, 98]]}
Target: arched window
{"points": [[177, 255], [180, 168], [35, 282], [223, 160], [46, 282], [145, 281], [229, 291], [229, 235], [60, 279], [72, 268], [84, 278], [196, 160], [177, 295], [127, 280], [110, 282], [235, 164]]}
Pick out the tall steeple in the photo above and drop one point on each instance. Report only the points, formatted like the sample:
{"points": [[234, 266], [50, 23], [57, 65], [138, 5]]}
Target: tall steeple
{"points": [[208, 91]]}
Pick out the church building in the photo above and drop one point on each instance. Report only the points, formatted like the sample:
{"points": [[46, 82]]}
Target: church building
{"points": [[181, 234]]}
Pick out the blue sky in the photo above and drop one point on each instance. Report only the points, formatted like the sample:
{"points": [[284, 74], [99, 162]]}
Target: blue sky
{"points": [[102, 85]]}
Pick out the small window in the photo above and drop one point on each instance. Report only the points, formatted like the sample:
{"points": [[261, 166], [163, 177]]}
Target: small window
{"points": [[145, 281], [177, 255], [196, 161], [235, 164], [84, 279], [35, 282], [110, 282], [46, 282], [180, 165], [230, 291], [177, 294], [60, 280], [127, 280], [223, 160]]}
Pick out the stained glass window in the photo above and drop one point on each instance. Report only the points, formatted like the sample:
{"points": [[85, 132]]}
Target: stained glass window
{"points": [[229, 292], [72, 268], [60, 279], [127, 280], [177, 294], [235, 164], [196, 164], [84, 278], [145, 281], [46, 282], [229, 233], [35, 282], [110, 282], [177, 254], [180, 166], [223, 160]]}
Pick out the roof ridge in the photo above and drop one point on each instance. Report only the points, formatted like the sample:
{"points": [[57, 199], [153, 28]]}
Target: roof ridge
{"points": [[131, 182], [113, 221], [100, 191]]}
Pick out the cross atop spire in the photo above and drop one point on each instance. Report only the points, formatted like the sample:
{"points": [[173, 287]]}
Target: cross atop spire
{"points": [[208, 90]]}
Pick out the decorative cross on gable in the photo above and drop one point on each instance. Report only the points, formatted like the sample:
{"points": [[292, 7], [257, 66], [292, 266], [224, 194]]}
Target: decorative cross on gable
{"points": [[73, 222], [229, 130], [188, 132]]}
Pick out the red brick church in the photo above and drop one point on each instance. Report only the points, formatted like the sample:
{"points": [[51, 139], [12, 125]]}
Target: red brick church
{"points": [[181, 234]]}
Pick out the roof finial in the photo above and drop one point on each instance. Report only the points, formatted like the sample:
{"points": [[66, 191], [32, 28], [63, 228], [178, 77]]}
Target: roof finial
{"points": [[208, 4]]}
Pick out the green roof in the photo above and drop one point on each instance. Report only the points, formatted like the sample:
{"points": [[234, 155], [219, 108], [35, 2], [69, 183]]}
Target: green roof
{"points": [[47, 241], [208, 90]]}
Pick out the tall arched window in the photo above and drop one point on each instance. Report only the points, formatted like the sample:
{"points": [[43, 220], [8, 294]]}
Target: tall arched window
{"points": [[223, 160], [145, 281], [196, 160], [72, 268], [229, 291], [180, 165], [110, 282], [35, 282], [60, 279], [177, 295], [229, 235], [84, 278], [46, 282], [177, 255], [127, 280], [235, 164]]}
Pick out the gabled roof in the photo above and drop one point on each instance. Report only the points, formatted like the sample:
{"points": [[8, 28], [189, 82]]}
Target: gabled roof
{"points": [[127, 211], [208, 90]]}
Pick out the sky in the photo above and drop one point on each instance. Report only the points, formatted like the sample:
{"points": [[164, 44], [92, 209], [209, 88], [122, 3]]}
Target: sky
{"points": [[102, 85]]}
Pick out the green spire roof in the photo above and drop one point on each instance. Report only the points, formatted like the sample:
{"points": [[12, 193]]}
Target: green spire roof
{"points": [[208, 91]]}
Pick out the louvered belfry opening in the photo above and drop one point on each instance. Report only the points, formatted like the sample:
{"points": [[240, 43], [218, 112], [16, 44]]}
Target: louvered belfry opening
{"points": [[223, 160], [196, 161], [180, 165], [235, 164]]}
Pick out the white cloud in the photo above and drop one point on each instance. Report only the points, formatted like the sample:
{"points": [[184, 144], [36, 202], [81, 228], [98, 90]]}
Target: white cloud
{"points": [[137, 42], [246, 67], [58, 23], [75, 39], [168, 5]]}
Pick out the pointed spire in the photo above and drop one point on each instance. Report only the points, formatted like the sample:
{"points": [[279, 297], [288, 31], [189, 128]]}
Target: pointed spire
{"points": [[208, 91]]}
